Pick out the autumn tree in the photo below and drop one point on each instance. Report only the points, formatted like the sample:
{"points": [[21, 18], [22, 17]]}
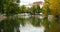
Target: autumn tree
{"points": [[53, 6]]}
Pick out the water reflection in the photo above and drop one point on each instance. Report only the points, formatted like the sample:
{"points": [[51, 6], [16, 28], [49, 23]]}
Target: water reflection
{"points": [[9, 24], [28, 23], [24, 15], [30, 28]]}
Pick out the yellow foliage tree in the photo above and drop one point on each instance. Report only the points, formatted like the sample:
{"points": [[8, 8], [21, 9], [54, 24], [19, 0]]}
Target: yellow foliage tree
{"points": [[54, 5]]}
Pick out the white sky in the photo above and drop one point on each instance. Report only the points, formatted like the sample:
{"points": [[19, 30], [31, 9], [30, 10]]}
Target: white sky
{"points": [[26, 2]]}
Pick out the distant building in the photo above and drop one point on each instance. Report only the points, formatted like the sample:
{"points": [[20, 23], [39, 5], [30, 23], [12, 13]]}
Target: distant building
{"points": [[38, 3]]}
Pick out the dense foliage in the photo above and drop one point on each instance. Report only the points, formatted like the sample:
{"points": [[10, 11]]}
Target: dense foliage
{"points": [[9, 7]]}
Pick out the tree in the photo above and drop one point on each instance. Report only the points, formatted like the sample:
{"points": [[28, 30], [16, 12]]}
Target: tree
{"points": [[9, 7], [35, 9], [54, 6], [23, 9]]}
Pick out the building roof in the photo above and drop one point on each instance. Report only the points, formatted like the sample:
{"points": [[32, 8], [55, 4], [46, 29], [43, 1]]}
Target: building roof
{"points": [[38, 3]]}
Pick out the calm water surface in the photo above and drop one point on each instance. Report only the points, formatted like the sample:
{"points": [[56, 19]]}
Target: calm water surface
{"points": [[24, 24]]}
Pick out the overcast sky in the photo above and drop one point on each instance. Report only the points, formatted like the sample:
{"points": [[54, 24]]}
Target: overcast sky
{"points": [[25, 2]]}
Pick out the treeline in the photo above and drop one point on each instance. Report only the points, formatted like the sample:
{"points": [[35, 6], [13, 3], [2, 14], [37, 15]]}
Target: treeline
{"points": [[11, 7], [33, 9]]}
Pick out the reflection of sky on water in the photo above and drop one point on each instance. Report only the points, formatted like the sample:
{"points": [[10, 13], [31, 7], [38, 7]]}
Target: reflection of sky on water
{"points": [[30, 28]]}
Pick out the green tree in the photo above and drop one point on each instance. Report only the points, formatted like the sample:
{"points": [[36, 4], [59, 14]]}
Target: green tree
{"points": [[35, 9], [23, 8], [9, 7]]}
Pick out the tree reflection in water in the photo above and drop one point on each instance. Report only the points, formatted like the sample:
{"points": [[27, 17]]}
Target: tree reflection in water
{"points": [[9, 24], [14, 24]]}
